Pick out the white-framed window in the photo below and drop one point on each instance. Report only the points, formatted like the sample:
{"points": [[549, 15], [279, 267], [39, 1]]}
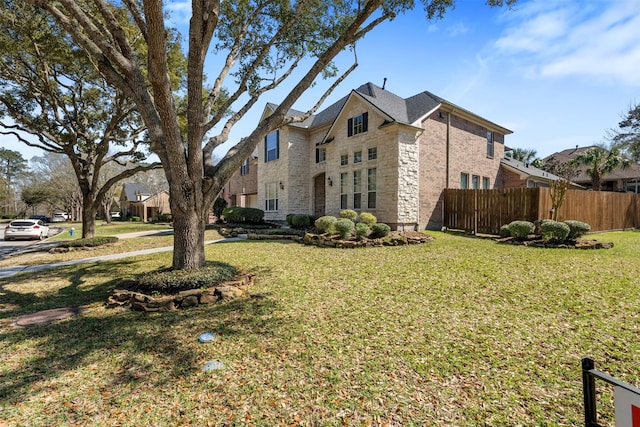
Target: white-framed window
{"points": [[489, 143], [486, 183], [321, 154], [272, 146], [244, 169], [372, 153], [357, 157], [343, 190], [357, 189], [271, 201], [357, 124], [464, 181], [475, 182], [344, 159], [371, 188]]}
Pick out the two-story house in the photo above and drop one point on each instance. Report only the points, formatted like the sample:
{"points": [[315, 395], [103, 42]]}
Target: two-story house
{"points": [[373, 151]]}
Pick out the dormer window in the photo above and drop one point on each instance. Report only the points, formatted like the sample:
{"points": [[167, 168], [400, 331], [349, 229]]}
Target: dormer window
{"points": [[357, 124]]}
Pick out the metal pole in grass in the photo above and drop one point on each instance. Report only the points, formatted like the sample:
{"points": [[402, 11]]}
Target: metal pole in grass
{"points": [[589, 392]]}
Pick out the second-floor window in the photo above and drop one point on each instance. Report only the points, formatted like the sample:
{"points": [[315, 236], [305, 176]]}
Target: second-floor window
{"points": [[357, 124], [244, 169], [272, 146], [489, 143], [357, 157], [372, 153], [344, 159], [321, 154]]}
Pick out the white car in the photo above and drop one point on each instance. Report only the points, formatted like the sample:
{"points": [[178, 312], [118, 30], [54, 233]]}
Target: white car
{"points": [[59, 217], [26, 229]]}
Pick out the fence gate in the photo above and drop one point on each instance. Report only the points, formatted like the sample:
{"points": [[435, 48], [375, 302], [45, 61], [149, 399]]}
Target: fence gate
{"points": [[626, 398]]}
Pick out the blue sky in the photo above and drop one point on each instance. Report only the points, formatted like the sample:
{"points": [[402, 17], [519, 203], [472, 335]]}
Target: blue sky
{"points": [[557, 73]]}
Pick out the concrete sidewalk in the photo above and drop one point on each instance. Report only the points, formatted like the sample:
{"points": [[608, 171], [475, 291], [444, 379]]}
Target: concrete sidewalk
{"points": [[12, 271]]}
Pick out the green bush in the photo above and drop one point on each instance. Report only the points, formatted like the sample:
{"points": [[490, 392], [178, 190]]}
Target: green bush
{"points": [[577, 229], [349, 214], [344, 227], [362, 230], [173, 281], [521, 229], [243, 215], [537, 224], [134, 218], [326, 224], [379, 230], [368, 218], [89, 243], [219, 206], [300, 221], [164, 218], [504, 231], [554, 231]]}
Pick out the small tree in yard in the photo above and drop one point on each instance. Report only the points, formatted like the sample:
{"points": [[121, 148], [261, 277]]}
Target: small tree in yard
{"points": [[261, 44]]}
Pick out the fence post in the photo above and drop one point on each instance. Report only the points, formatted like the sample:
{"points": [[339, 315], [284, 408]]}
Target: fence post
{"points": [[589, 392]]}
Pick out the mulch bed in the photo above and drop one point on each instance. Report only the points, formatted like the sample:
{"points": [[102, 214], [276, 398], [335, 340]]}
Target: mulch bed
{"points": [[570, 244]]}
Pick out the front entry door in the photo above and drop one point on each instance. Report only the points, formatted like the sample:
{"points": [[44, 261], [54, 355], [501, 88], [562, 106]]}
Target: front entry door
{"points": [[319, 195]]}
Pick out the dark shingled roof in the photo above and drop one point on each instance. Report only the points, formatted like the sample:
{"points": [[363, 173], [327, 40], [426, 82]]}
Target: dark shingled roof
{"points": [[130, 190], [528, 169], [399, 109]]}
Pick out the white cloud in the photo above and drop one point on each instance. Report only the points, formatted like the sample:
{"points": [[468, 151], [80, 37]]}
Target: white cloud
{"points": [[597, 40]]}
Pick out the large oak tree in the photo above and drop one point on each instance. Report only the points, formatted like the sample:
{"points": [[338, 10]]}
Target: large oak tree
{"points": [[262, 44]]}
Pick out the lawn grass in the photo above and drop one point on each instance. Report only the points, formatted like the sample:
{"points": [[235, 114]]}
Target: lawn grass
{"points": [[456, 332], [104, 229]]}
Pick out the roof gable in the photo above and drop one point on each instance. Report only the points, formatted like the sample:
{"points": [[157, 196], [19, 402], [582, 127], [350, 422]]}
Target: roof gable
{"points": [[131, 190]]}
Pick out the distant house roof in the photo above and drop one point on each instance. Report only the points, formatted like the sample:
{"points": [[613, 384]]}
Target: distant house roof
{"points": [[632, 172], [130, 192], [401, 110], [525, 170]]}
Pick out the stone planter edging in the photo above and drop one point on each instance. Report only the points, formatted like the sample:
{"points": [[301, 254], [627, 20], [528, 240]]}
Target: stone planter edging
{"points": [[224, 291]]}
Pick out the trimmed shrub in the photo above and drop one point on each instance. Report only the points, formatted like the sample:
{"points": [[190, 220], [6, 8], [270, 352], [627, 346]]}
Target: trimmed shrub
{"points": [[504, 231], [344, 227], [300, 221], [219, 206], [134, 218], [243, 215], [368, 218], [173, 281], [379, 230], [362, 230], [164, 218], [349, 214], [89, 243], [326, 224], [537, 224], [577, 229], [554, 231], [521, 229]]}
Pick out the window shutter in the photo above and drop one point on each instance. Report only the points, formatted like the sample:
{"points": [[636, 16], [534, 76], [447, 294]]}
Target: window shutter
{"points": [[350, 127], [317, 155], [365, 120]]}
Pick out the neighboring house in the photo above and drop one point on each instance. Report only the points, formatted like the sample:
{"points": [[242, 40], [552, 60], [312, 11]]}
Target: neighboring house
{"points": [[516, 174], [136, 200], [242, 188], [622, 180], [373, 151]]}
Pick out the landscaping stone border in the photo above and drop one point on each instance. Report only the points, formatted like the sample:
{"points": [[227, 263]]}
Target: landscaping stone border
{"points": [[574, 244], [224, 291], [395, 238]]}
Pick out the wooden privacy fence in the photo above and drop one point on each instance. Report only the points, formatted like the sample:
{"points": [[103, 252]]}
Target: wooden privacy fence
{"points": [[485, 211]]}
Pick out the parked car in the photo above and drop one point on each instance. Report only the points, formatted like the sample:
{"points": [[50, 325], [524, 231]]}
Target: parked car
{"points": [[59, 217], [42, 218], [115, 214], [26, 229]]}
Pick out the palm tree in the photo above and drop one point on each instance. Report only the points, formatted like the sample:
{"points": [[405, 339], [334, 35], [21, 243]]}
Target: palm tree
{"points": [[600, 162], [526, 155]]}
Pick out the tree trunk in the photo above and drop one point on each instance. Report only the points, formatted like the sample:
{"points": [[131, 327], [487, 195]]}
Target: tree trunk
{"points": [[188, 241], [88, 217]]}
